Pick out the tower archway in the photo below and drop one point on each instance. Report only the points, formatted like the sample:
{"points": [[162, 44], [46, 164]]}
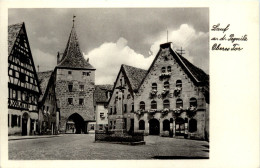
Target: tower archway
{"points": [[75, 124]]}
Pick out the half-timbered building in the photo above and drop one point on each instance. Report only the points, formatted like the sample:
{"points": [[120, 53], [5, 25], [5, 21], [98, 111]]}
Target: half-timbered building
{"points": [[23, 83]]}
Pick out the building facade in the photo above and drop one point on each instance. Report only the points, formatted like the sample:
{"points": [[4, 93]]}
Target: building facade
{"points": [[172, 98], [101, 96], [23, 84], [49, 115], [126, 84], [74, 88]]}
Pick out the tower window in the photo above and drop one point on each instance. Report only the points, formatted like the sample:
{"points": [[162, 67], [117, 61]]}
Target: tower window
{"points": [[70, 101], [81, 101], [70, 86]]}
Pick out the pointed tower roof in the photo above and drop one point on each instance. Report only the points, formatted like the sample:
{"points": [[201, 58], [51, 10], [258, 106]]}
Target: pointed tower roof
{"points": [[72, 56]]}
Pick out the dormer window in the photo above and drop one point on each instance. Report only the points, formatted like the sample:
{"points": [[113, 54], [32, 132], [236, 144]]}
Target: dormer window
{"points": [[163, 70], [169, 69], [154, 86], [178, 83]]}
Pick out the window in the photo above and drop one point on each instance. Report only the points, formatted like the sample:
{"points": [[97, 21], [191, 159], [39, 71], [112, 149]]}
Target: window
{"points": [[81, 87], [178, 83], [110, 125], [115, 110], [169, 69], [163, 69], [154, 86], [70, 101], [81, 101], [141, 125], [166, 104], [153, 104], [166, 125], [179, 103], [111, 110], [23, 96], [47, 108], [133, 107], [142, 105], [85, 73], [69, 72], [193, 102], [166, 85], [8, 120], [70, 86], [92, 127], [14, 120], [14, 94], [100, 126], [102, 115], [125, 108], [22, 77], [193, 125], [114, 126]]}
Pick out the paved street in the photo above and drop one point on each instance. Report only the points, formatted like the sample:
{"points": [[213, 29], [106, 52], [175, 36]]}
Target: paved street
{"points": [[83, 147]]}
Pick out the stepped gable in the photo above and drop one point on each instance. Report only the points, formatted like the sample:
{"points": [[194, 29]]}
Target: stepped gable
{"points": [[100, 93], [13, 31], [72, 56], [134, 75], [44, 78]]}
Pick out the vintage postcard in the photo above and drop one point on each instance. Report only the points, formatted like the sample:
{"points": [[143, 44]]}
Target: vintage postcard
{"points": [[174, 84]]}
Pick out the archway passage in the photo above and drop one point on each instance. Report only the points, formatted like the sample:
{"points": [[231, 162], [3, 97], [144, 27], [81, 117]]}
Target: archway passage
{"points": [[179, 127], [75, 124], [24, 123], [154, 127]]}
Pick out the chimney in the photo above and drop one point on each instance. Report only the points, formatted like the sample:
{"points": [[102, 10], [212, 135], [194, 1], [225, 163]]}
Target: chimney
{"points": [[58, 58]]}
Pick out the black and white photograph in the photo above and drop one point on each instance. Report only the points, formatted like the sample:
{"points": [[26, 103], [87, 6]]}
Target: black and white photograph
{"points": [[91, 83], [140, 84]]}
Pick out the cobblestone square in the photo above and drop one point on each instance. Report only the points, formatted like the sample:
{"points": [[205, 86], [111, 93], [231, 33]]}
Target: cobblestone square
{"points": [[83, 147]]}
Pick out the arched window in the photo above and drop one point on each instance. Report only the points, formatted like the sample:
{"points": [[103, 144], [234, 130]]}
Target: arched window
{"points": [[193, 125], [142, 105], [193, 102], [154, 86], [153, 104], [166, 85], [169, 69], [166, 104], [163, 69], [141, 125], [178, 83], [179, 103], [166, 125]]}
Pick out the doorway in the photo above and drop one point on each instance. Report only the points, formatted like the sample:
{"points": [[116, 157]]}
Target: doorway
{"points": [[154, 127], [24, 124]]}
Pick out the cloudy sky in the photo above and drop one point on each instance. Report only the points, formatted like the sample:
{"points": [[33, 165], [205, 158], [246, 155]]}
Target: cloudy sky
{"points": [[111, 37]]}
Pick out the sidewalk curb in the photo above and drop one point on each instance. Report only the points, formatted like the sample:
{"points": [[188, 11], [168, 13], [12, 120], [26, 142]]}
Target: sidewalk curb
{"points": [[34, 137]]}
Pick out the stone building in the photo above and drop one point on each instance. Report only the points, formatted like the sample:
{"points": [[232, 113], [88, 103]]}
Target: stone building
{"points": [[101, 96], [49, 115], [74, 88], [23, 85], [172, 98], [129, 78]]}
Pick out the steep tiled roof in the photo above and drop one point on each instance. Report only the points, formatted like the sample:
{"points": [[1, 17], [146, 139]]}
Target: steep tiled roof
{"points": [[13, 31], [100, 94], [72, 56], [134, 75], [44, 78]]}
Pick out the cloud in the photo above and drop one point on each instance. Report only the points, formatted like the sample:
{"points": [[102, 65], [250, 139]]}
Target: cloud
{"points": [[47, 40], [108, 58], [194, 43], [45, 60]]}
